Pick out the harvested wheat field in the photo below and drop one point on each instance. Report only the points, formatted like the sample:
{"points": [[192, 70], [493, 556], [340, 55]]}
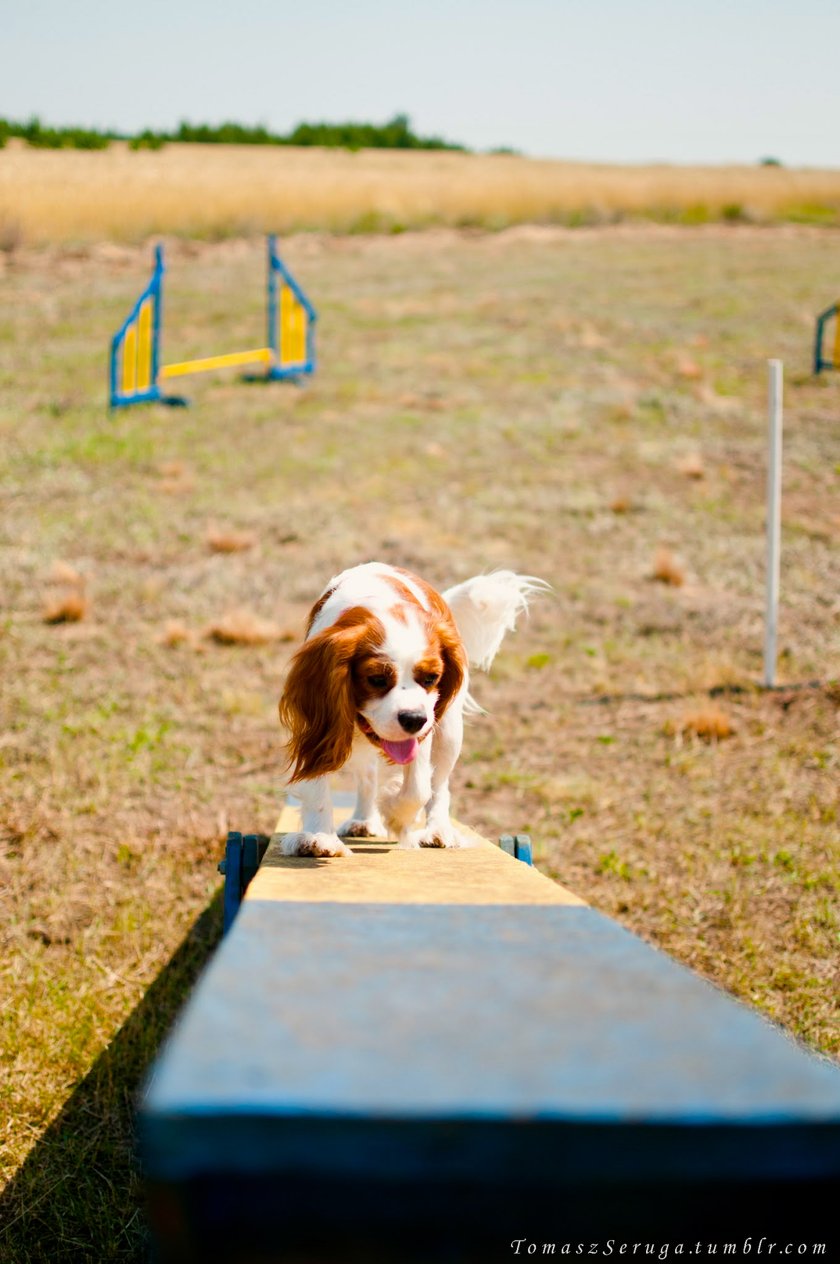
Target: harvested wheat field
{"points": [[219, 191], [587, 406]]}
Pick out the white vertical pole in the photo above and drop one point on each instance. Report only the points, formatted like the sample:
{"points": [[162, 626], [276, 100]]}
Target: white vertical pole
{"points": [[774, 516]]}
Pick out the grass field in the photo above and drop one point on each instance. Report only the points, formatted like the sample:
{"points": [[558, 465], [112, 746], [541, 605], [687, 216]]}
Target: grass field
{"points": [[222, 191], [588, 406]]}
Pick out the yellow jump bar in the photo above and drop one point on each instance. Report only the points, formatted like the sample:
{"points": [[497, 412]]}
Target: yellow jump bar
{"points": [[263, 355]]}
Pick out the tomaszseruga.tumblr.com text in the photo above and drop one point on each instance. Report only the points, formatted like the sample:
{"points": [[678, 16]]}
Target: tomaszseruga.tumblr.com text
{"points": [[766, 1247]]}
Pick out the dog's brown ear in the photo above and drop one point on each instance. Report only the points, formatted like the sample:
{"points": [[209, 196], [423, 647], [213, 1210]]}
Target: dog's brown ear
{"points": [[318, 707], [454, 665]]}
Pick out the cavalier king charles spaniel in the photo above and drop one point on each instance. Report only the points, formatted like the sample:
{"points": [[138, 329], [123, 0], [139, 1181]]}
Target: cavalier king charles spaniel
{"points": [[382, 679]]}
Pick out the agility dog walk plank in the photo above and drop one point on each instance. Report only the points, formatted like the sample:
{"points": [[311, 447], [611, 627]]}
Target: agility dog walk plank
{"points": [[426, 1059], [137, 374]]}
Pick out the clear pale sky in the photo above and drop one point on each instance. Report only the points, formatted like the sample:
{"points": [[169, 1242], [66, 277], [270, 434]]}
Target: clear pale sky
{"points": [[679, 81]]}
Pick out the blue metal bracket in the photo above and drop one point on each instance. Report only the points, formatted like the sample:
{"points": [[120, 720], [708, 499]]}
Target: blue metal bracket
{"points": [[518, 846], [507, 844], [242, 859], [523, 849]]}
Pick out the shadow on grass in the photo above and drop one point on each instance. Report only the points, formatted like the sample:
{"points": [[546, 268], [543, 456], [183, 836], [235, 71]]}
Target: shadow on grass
{"points": [[78, 1195]]}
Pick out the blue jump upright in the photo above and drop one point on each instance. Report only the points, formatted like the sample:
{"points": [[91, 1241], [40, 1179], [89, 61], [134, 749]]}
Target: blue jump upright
{"points": [[832, 359]]}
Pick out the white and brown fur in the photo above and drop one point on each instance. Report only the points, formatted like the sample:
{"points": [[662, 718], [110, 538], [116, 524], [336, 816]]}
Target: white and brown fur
{"points": [[385, 666]]}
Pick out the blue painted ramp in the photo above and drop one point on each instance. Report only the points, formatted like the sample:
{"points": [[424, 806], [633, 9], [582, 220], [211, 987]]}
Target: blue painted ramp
{"points": [[421, 1081]]}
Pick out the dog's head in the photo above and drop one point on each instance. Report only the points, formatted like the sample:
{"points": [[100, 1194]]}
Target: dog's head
{"points": [[390, 676]]}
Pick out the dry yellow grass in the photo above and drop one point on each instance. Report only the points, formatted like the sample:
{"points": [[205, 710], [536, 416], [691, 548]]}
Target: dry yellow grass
{"points": [[175, 633], [67, 602], [67, 607], [243, 627], [64, 573], [688, 368], [175, 478], [124, 762], [692, 466], [709, 723], [667, 569], [218, 190], [173, 469], [227, 540]]}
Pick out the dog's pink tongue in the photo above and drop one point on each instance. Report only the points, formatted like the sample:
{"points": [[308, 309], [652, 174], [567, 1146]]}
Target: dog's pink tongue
{"points": [[401, 752]]}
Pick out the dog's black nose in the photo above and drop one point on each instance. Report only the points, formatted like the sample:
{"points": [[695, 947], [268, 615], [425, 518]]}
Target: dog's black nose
{"points": [[411, 721]]}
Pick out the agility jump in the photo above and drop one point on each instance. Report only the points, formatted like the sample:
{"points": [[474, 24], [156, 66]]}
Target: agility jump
{"points": [[833, 362], [138, 377]]}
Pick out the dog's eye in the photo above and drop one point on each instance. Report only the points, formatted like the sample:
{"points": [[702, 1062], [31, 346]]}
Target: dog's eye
{"points": [[429, 681], [378, 682]]}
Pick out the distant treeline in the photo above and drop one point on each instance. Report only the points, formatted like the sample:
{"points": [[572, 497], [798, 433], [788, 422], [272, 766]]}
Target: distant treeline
{"points": [[40, 137], [395, 134]]}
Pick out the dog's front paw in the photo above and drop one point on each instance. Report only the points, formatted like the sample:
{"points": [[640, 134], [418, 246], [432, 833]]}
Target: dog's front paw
{"points": [[370, 827], [430, 836], [313, 845], [437, 838]]}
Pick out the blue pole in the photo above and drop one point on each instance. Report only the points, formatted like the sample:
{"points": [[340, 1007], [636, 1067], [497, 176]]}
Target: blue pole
{"points": [[157, 318], [273, 333], [115, 345]]}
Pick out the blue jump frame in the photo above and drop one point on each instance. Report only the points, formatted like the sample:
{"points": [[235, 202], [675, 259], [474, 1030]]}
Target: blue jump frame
{"points": [[820, 361], [153, 296], [137, 376]]}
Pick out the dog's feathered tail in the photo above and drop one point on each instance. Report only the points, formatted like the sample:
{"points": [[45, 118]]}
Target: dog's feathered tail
{"points": [[487, 606]]}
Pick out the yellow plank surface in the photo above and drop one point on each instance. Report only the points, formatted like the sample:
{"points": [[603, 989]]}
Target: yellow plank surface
{"points": [[379, 873]]}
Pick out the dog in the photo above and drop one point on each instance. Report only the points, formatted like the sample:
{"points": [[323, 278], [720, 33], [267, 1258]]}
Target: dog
{"points": [[382, 678]]}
